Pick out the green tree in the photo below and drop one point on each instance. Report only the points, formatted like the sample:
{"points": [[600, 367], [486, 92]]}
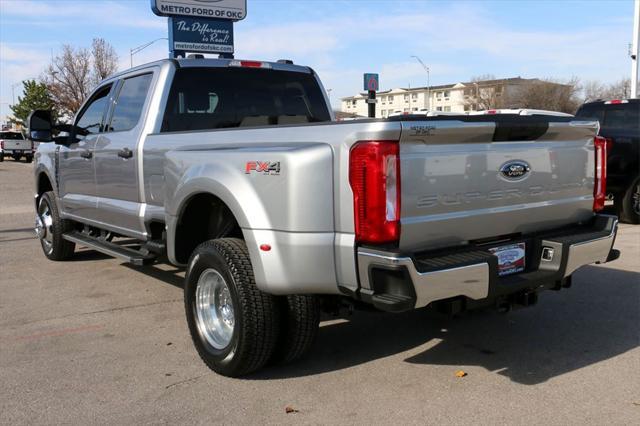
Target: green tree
{"points": [[35, 96]]}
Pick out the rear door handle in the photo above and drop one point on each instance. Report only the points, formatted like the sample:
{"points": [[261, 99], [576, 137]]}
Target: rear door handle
{"points": [[125, 153], [86, 154]]}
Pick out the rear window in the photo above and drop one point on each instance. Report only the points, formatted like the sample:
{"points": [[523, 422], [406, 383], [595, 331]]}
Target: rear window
{"points": [[216, 98], [620, 116], [11, 136]]}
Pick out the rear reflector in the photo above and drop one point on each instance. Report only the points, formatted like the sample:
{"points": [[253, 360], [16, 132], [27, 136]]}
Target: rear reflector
{"points": [[374, 175], [249, 64], [600, 182]]}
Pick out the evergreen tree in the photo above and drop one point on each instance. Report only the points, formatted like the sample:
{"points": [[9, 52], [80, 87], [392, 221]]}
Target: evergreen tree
{"points": [[35, 96]]}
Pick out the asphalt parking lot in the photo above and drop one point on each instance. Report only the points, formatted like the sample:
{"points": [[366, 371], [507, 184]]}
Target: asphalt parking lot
{"points": [[96, 341]]}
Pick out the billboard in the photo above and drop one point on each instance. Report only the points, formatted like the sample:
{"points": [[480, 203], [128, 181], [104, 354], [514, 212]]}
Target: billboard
{"points": [[201, 35], [233, 10]]}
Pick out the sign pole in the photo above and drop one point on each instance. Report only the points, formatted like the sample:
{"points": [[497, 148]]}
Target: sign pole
{"points": [[371, 100], [371, 85]]}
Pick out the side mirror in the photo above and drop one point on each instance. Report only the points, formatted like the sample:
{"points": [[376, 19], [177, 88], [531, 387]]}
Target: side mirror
{"points": [[40, 126]]}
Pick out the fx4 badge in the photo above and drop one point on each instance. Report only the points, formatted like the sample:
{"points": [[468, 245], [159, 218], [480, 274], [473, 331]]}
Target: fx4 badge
{"points": [[263, 167]]}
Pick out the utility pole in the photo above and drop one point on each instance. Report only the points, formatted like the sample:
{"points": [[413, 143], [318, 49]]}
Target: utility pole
{"points": [[635, 49], [426, 68]]}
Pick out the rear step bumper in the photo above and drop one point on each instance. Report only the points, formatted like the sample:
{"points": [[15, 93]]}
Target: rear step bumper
{"points": [[396, 282]]}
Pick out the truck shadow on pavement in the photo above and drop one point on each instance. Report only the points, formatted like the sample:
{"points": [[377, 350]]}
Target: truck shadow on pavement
{"points": [[597, 319]]}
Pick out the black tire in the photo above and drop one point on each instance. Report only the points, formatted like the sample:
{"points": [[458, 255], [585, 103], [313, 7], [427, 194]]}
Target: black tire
{"points": [[299, 322], [1, 158], [255, 329], [629, 205], [29, 158], [17, 157], [59, 248]]}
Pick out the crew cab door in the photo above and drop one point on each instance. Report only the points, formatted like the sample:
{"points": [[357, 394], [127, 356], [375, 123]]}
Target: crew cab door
{"points": [[77, 186], [116, 156]]}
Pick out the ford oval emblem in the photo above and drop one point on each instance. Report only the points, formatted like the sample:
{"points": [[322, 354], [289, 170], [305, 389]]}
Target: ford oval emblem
{"points": [[515, 170]]}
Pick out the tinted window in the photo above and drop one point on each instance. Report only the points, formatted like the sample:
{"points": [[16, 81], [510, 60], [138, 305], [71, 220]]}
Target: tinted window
{"points": [[591, 112], [214, 98], [11, 136], [623, 116], [128, 106], [91, 118]]}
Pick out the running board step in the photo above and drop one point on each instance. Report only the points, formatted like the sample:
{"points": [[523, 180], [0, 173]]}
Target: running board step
{"points": [[127, 254], [393, 302]]}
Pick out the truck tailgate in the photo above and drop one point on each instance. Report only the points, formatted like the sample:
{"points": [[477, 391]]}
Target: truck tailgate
{"points": [[17, 145], [454, 190]]}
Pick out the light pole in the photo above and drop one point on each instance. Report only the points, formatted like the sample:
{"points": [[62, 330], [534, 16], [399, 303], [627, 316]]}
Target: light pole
{"points": [[13, 92], [426, 68], [635, 49], [140, 48]]}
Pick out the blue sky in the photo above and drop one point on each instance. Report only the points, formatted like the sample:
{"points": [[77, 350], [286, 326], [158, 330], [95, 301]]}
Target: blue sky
{"points": [[343, 39]]}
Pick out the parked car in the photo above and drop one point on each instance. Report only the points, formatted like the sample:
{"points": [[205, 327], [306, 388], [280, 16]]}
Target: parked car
{"points": [[620, 124], [237, 170], [14, 144]]}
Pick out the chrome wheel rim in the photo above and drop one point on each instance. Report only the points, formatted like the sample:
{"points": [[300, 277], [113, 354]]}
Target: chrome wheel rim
{"points": [[44, 226], [635, 199], [214, 309]]}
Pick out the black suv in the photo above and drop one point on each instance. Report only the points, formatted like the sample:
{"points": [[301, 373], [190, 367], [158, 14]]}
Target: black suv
{"points": [[620, 123]]}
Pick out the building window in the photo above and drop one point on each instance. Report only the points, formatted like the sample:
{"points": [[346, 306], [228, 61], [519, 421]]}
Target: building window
{"points": [[466, 108], [415, 109], [414, 96], [406, 110], [406, 98], [438, 108], [446, 93], [354, 102], [447, 109], [390, 99]]}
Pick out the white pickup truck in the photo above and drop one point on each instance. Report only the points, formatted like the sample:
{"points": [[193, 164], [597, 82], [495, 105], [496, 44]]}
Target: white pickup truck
{"points": [[13, 144], [238, 171]]}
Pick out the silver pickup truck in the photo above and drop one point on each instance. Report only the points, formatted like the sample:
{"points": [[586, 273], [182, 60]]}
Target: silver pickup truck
{"points": [[238, 171]]}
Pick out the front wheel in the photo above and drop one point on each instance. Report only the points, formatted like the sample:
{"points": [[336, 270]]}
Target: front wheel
{"points": [[234, 326], [50, 228], [629, 210]]}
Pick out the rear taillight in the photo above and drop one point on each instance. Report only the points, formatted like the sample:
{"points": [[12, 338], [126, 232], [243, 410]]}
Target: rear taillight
{"points": [[374, 175], [617, 102], [600, 183]]}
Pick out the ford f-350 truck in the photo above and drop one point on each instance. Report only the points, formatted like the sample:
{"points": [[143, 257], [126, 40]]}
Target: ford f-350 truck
{"points": [[238, 171]]}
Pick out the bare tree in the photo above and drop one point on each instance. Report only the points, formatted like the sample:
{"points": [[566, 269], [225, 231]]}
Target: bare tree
{"points": [[105, 59], [75, 72], [69, 79], [485, 92], [548, 94], [620, 89]]}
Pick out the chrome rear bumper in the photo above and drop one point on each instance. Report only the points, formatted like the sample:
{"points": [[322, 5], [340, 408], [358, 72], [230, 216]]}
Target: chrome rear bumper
{"points": [[397, 282]]}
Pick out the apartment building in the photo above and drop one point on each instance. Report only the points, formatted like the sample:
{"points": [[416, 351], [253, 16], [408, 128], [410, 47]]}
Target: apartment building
{"points": [[457, 97]]}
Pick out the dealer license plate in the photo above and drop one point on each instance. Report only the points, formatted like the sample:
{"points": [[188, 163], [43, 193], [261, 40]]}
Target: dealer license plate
{"points": [[511, 258]]}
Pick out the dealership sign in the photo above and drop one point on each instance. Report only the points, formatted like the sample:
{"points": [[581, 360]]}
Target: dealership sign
{"points": [[233, 10], [201, 35]]}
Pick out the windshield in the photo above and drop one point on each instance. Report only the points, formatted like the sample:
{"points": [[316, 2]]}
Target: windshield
{"points": [[214, 98]]}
